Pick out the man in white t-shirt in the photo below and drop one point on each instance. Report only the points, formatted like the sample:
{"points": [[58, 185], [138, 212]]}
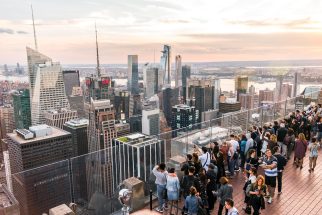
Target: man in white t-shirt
{"points": [[235, 145], [205, 158]]}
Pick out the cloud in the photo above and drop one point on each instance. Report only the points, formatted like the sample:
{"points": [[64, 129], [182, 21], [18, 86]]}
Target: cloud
{"points": [[174, 21], [6, 31], [21, 32], [294, 24]]}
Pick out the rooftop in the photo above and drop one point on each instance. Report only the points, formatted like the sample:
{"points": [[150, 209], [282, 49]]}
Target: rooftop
{"points": [[77, 122], [55, 132], [6, 198]]}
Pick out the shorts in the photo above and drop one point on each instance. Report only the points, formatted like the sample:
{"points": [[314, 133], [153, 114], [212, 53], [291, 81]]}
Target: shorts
{"points": [[270, 180]]}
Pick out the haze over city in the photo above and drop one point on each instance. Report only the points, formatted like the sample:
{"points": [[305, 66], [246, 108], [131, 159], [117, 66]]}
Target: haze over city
{"points": [[201, 31]]}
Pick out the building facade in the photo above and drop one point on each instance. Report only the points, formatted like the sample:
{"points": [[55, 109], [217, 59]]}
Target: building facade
{"points": [[241, 85], [133, 74], [183, 117], [39, 189], [165, 65], [178, 71], [140, 154], [58, 118], [22, 111], [47, 88]]}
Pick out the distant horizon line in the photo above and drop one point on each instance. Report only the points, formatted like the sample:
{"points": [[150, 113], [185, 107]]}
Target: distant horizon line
{"points": [[195, 62]]}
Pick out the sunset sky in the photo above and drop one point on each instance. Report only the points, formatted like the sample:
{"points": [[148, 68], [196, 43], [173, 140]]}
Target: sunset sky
{"points": [[199, 30]]}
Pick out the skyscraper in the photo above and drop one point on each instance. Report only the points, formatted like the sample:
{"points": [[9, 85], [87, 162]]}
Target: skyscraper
{"points": [[252, 90], [99, 88], [246, 101], [178, 72], [150, 119], [71, 79], [121, 105], [186, 72], [241, 85], [169, 99], [21, 105], [133, 74], [150, 79], [140, 153], [58, 118], [78, 129], [100, 134], [7, 120], [39, 189], [266, 95], [47, 89], [166, 65], [205, 93], [183, 117], [296, 84], [278, 89]]}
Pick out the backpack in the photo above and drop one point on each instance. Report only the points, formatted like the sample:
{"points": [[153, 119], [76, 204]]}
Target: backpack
{"points": [[314, 151]]}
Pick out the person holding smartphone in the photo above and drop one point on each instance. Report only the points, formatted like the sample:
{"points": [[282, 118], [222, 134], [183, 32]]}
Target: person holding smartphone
{"points": [[269, 165]]}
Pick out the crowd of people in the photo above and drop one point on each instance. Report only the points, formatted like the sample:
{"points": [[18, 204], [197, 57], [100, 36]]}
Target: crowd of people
{"points": [[208, 170]]}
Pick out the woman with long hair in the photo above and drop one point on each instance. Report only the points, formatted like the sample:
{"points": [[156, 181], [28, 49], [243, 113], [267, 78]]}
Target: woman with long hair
{"points": [[173, 188], [197, 163], [300, 149], [257, 192], [272, 142]]}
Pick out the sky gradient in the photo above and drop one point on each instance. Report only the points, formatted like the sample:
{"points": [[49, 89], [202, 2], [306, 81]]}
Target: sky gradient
{"points": [[199, 30]]}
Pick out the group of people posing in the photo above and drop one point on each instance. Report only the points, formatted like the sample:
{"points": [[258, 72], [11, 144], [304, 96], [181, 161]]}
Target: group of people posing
{"points": [[207, 171]]}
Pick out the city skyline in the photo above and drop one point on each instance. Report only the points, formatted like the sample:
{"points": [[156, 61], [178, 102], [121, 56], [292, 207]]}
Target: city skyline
{"points": [[197, 30]]}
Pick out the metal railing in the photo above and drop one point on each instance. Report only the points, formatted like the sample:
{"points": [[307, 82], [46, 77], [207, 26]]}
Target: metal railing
{"points": [[92, 181]]}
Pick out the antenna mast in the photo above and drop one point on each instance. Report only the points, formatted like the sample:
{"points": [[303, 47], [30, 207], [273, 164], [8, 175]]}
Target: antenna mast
{"points": [[97, 56], [33, 24]]}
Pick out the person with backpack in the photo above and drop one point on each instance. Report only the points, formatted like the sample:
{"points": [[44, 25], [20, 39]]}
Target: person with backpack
{"points": [[313, 149], [196, 162], [205, 158], [281, 162], [189, 181], [187, 164], [225, 192]]}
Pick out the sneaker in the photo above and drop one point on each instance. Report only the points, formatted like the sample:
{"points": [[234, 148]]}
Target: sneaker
{"points": [[310, 170], [165, 206], [159, 210], [269, 201], [279, 193]]}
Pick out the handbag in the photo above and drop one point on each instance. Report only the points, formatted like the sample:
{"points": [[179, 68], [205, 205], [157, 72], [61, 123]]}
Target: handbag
{"points": [[248, 209], [201, 210], [262, 202]]}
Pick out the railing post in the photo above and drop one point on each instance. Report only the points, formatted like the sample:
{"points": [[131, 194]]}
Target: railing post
{"points": [[151, 200], [247, 121]]}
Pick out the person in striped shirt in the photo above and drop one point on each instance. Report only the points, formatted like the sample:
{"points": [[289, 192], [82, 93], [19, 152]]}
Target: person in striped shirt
{"points": [[269, 164]]}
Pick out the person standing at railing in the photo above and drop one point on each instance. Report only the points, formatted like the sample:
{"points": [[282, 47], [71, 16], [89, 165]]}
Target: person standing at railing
{"points": [[161, 180]]}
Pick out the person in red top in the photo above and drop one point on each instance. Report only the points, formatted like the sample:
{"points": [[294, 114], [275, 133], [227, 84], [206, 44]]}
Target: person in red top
{"points": [[300, 149]]}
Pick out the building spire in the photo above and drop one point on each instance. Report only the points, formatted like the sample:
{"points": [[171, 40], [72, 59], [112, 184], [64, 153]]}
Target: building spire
{"points": [[33, 24], [97, 56]]}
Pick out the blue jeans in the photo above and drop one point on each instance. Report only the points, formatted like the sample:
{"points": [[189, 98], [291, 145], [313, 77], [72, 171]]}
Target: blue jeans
{"points": [[231, 167], [160, 193]]}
